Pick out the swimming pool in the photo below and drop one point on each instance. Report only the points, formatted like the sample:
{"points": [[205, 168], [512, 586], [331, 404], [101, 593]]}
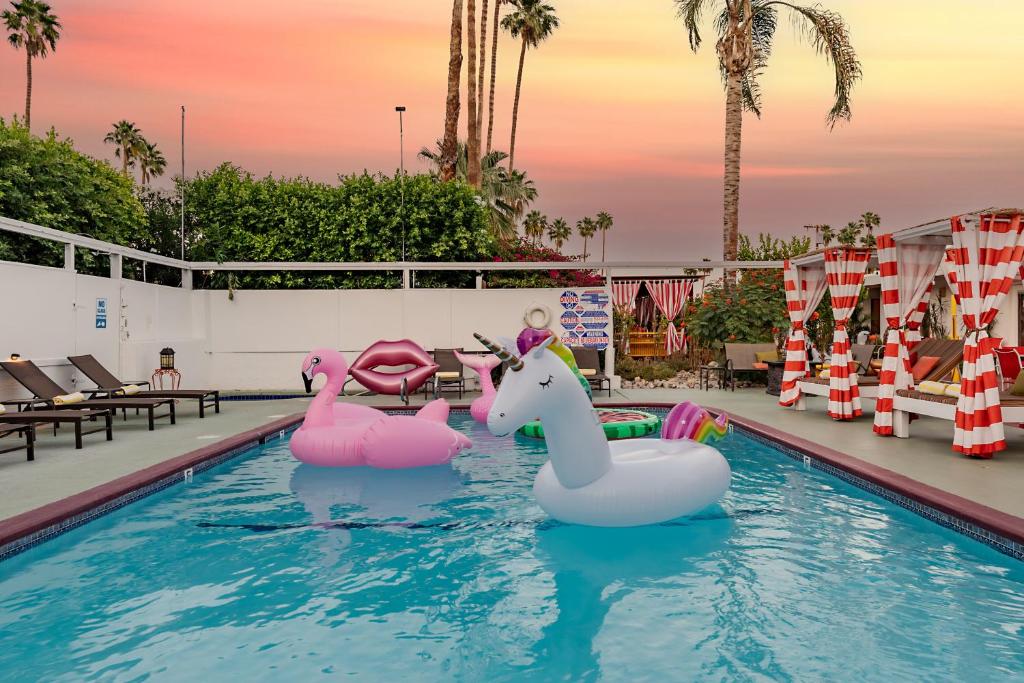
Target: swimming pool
{"points": [[264, 568]]}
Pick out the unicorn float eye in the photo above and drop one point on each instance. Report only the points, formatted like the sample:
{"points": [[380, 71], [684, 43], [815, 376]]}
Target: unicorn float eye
{"points": [[545, 385]]}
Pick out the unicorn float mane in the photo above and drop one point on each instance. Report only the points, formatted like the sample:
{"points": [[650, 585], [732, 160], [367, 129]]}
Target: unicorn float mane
{"points": [[531, 337]]}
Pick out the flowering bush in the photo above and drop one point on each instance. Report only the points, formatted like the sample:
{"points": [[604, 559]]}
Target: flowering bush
{"points": [[754, 310], [523, 250]]}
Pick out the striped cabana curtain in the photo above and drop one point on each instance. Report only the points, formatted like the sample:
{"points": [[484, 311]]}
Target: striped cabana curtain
{"points": [[907, 274], [987, 252], [844, 270], [805, 287], [669, 295], [675, 340], [916, 319], [624, 294]]}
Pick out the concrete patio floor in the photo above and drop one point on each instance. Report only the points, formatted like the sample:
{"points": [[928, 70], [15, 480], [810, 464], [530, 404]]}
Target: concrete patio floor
{"points": [[60, 471]]}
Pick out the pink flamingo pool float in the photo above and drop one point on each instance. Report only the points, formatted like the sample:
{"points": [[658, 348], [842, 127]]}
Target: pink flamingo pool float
{"points": [[482, 365], [346, 435]]}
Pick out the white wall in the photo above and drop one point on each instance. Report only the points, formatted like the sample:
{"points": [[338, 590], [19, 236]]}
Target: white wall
{"points": [[256, 341]]}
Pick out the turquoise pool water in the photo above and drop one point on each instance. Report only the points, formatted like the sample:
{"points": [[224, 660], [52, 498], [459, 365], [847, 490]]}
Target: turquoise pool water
{"points": [[264, 569]]}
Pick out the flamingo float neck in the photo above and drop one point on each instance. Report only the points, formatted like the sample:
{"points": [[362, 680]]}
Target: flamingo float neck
{"points": [[331, 364]]}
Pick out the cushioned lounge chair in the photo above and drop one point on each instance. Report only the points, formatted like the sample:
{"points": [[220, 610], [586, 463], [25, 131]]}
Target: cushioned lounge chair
{"points": [[909, 402], [110, 386], [450, 373], [47, 395], [77, 418], [589, 363], [950, 353]]}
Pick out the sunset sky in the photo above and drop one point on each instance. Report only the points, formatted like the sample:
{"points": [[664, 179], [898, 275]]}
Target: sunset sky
{"points": [[617, 113]]}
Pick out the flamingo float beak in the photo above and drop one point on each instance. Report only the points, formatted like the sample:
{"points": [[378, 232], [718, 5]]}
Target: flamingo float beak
{"points": [[307, 380]]}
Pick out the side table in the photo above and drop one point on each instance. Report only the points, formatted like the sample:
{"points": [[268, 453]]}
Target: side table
{"points": [[775, 369], [171, 372], [722, 372]]}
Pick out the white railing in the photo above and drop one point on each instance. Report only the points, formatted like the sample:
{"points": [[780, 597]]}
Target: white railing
{"points": [[116, 252]]}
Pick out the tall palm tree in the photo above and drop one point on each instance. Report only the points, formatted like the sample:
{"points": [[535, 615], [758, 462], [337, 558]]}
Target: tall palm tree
{"points": [[127, 140], [449, 147], [506, 195], [604, 223], [746, 31], [31, 25], [482, 52], [586, 227], [870, 220], [151, 161], [533, 22], [494, 65], [535, 225], [473, 127], [558, 232]]}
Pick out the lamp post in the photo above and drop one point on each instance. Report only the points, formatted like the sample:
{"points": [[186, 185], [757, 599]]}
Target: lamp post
{"points": [[401, 174], [183, 182]]}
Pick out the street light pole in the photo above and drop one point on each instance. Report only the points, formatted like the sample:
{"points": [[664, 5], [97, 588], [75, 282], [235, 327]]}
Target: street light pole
{"points": [[401, 174], [182, 185]]}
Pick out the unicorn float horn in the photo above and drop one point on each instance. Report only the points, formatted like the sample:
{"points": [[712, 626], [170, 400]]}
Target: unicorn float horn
{"points": [[515, 364]]}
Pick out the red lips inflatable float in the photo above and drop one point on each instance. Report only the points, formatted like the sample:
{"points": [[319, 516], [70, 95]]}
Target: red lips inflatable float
{"points": [[389, 354]]}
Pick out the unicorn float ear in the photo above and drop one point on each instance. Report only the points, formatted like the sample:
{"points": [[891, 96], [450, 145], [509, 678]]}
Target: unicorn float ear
{"points": [[538, 350], [514, 364]]}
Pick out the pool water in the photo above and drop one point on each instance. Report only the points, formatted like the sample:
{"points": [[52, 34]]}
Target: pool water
{"points": [[265, 569]]}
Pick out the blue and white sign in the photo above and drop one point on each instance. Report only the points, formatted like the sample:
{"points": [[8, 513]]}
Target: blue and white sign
{"points": [[570, 338], [594, 320], [570, 319], [594, 298], [101, 314], [569, 299], [595, 339]]}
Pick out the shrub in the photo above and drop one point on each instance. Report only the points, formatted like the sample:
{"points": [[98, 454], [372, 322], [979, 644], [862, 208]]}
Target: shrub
{"points": [[522, 249]]}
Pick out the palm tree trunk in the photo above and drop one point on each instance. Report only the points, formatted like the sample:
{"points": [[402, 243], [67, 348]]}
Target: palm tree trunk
{"points": [[494, 64], [515, 109], [604, 234], [28, 89], [584, 248], [482, 52], [733, 131], [473, 132], [449, 150], [124, 159]]}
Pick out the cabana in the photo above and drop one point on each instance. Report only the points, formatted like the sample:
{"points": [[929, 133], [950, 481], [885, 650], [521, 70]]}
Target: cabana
{"points": [[667, 295], [841, 270], [986, 255]]}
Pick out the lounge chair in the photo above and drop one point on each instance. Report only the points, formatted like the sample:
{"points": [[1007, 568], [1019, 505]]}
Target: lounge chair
{"points": [[48, 395], [450, 373], [909, 402], [949, 352], [111, 387], [738, 358], [28, 432], [589, 364], [59, 417]]}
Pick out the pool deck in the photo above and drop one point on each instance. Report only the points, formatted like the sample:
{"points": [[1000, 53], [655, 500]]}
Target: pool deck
{"points": [[60, 471]]}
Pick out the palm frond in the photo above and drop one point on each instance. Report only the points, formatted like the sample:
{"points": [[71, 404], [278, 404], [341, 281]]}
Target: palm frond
{"points": [[690, 11], [830, 36]]}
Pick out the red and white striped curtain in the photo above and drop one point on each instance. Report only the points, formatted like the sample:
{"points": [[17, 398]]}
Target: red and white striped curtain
{"points": [[844, 269], [805, 287], [987, 252], [624, 294], [675, 340], [916, 319], [669, 295], [907, 276]]}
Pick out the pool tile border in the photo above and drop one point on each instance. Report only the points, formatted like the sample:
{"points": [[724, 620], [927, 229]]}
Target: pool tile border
{"points": [[996, 529]]}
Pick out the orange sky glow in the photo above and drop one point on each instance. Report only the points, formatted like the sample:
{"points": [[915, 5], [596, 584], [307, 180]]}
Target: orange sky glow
{"points": [[617, 113]]}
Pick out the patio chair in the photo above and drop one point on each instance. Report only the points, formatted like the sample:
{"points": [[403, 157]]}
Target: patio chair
{"points": [[48, 394], [1009, 365], [589, 363], [56, 418], [28, 432], [111, 387], [738, 358], [450, 373]]}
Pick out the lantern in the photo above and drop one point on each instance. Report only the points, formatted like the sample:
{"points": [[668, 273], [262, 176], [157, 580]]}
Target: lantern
{"points": [[15, 356], [167, 358]]}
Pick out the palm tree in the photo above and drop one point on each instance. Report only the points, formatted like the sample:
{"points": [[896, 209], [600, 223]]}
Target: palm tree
{"points": [[482, 52], [535, 225], [533, 22], [870, 220], [494, 65], [449, 147], [31, 25], [558, 232], [586, 227], [746, 30], [473, 127], [151, 161], [604, 223], [127, 141], [505, 194]]}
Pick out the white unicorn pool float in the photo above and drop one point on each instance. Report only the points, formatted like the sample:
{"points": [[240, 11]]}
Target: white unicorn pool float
{"points": [[589, 480]]}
